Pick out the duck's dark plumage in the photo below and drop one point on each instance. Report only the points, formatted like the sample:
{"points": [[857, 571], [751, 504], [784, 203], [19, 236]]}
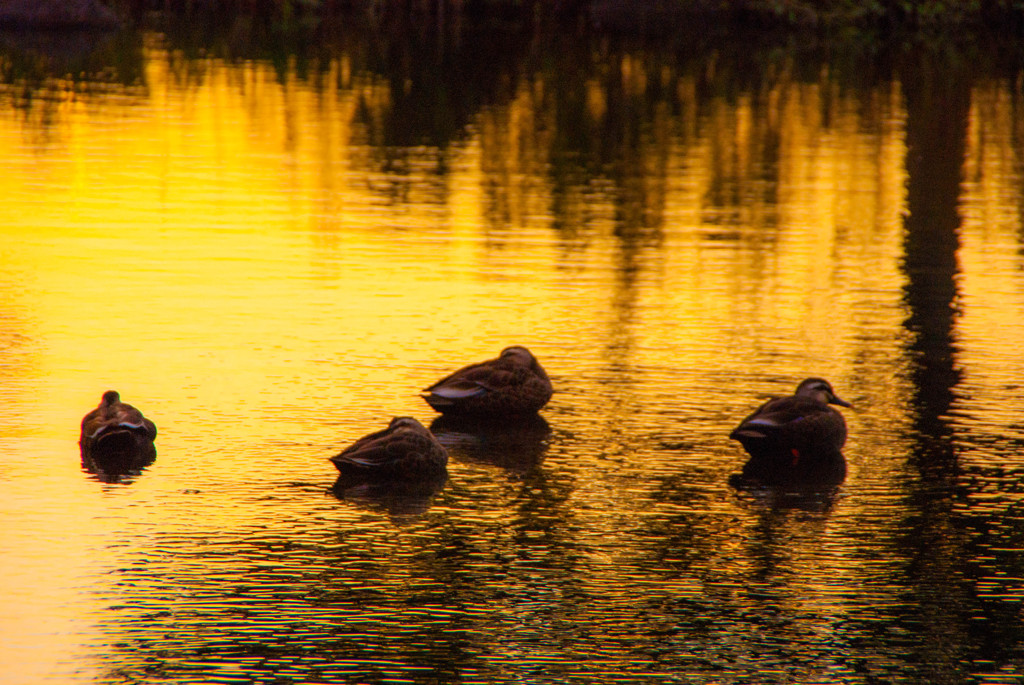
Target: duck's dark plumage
{"points": [[405, 450], [116, 436], [513, 383], [796, 438]]}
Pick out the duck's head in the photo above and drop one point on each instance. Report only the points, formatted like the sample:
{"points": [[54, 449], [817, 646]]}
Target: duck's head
{"points": [[110, 397], [404, 422], [821, 390], [525, 359], [518, 352]]}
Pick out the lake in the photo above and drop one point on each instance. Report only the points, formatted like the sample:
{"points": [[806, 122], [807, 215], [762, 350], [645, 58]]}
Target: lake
{"points": [[271, 243]]}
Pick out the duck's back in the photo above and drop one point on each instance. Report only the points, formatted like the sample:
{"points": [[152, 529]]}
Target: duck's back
{"points": [[499, 386], [788, 423], [403, 450]]}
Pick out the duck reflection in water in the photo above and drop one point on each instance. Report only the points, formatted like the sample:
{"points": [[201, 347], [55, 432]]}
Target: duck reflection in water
{"points": [[116, 439], [795, 440], [396, 497], [517, 445], [512, 384], [399, 468]]}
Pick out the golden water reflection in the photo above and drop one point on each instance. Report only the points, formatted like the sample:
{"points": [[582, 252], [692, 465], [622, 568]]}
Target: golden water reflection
{"points": [[238, 254]]}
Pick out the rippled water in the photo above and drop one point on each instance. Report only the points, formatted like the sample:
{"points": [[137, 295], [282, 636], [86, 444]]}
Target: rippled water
{"points": [[271, 255]]}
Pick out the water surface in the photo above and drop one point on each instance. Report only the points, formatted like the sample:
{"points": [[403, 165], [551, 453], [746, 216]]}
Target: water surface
{"points": [[270, 254]]}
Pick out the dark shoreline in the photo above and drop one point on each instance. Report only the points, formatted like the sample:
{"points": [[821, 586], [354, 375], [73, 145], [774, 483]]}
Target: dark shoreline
{"points": [[634, 17]]}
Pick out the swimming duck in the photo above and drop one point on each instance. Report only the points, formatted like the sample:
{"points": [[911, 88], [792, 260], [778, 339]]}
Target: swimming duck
{"points": [[514, 383], [116, 434], [797, 438], [405, 450]]}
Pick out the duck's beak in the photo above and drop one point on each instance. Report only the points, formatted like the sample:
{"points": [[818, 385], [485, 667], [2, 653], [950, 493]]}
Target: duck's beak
{"points": [[836, 399]]}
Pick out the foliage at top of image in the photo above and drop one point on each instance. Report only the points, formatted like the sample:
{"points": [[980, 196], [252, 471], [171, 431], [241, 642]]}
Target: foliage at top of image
{"points": [[621, 16], [430, 48], [909, 13], [637, 14]]}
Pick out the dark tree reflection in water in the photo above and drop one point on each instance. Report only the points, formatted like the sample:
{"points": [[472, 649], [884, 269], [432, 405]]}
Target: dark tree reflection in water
{"points": [[937, 96]]}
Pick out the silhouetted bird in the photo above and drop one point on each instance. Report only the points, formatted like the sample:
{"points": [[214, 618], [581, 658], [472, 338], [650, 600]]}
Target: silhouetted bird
{"points": [[514, 383], [796, 439], [116, 437], [405, 450]]}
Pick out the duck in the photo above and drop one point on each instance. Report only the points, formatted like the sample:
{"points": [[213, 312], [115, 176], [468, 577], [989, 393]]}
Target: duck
{"points": [[116, 434], [404, 451], [514, 383], [796, 439]]}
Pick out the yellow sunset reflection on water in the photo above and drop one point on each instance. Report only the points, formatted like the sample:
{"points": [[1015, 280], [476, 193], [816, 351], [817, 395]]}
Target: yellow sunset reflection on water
{"points": [[234, 248], [226, 249]]}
